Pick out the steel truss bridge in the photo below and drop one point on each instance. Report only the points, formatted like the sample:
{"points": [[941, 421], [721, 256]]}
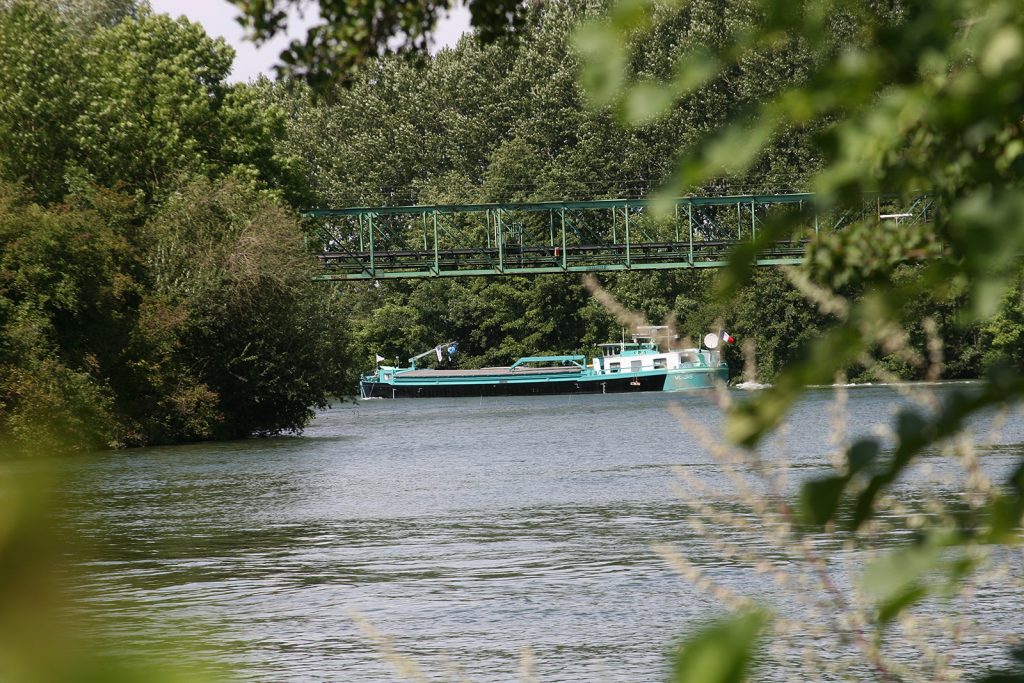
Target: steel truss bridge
{"points": [[371, 243]]}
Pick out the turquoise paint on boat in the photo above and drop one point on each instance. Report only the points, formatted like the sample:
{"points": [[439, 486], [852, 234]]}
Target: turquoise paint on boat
{"points": [[638, 365], [686, 379]]}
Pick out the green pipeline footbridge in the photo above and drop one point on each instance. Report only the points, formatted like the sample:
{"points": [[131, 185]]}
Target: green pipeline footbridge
{"points": [[461, 240]]}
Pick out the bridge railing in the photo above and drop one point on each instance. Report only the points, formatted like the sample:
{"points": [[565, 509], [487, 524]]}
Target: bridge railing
{"points": [[552, 237]]}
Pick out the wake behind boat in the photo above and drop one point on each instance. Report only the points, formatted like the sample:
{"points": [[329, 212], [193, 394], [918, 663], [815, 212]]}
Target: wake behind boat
{"points": [[639, 365]]}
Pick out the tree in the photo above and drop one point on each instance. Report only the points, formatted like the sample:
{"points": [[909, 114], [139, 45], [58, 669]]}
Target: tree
{"points": [[110, 118], [136, 101], [154, 105], [353, 32], [255, 329], [87, 16], [38, 76], [66, 295]]}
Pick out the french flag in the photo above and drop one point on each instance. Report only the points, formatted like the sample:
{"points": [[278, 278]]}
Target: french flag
{"points": [[728, 338]]}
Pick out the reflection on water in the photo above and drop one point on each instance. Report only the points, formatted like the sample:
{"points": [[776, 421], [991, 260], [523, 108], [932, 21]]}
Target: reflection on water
{"points": [[464, 529]]}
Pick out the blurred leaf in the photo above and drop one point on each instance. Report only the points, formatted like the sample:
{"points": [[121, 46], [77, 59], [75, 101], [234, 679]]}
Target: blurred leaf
{"points": [[1006, 509], [604, 56], [1005, 47], [1014, 673], [891, 608], [915, 432], [861, 455], [646, 102], [733, 150], [750, 420], [907, 575], [695, 70], [743, 257], [890, 576], [630, 15], [819, 499], [721, 652]]}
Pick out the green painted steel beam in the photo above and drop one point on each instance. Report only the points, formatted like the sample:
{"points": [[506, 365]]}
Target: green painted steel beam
{"points": [[469, 240], [542, 270], [556, 206]]}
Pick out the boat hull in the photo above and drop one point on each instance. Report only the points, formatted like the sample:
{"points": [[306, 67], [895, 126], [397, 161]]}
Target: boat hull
{"points": [[695, 379], [441, 387]]}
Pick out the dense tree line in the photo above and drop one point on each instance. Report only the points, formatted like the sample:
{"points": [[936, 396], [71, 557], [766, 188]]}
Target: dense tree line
{"points": [[154, 283]]}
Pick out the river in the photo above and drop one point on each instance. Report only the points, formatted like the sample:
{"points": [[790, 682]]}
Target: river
{"points": [[469, 532]]}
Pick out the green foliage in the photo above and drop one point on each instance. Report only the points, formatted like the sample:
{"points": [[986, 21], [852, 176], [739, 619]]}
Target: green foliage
{"points": [[902, 98], [135, 103], [258, 332], [258, 337], [904, 110], [203, 323], [900, 579], [155, 106], [1003, 333], [179, 305], [721, 652], [38, 71], [86, 16], [63, 287], [352, 32], [778, 319]]}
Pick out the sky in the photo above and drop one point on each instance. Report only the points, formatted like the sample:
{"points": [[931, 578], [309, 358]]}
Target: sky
{"points": [[218, 18]]}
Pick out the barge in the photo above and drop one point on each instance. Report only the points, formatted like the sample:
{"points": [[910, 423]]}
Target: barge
{"points": [[639, 365]]}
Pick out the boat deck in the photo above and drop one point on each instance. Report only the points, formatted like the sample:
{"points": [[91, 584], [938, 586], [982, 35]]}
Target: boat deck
{"points": [[489, 372]]}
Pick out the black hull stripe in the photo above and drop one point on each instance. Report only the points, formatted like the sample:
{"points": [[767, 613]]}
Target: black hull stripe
{"points": [[609, 386]]}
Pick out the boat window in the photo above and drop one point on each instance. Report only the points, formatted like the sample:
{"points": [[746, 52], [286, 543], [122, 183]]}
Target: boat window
{"points": [[635, 366], [613, 367], [660, 363]]}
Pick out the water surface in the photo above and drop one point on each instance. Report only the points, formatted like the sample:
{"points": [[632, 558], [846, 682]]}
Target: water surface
{"points": [[464, 530]]}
